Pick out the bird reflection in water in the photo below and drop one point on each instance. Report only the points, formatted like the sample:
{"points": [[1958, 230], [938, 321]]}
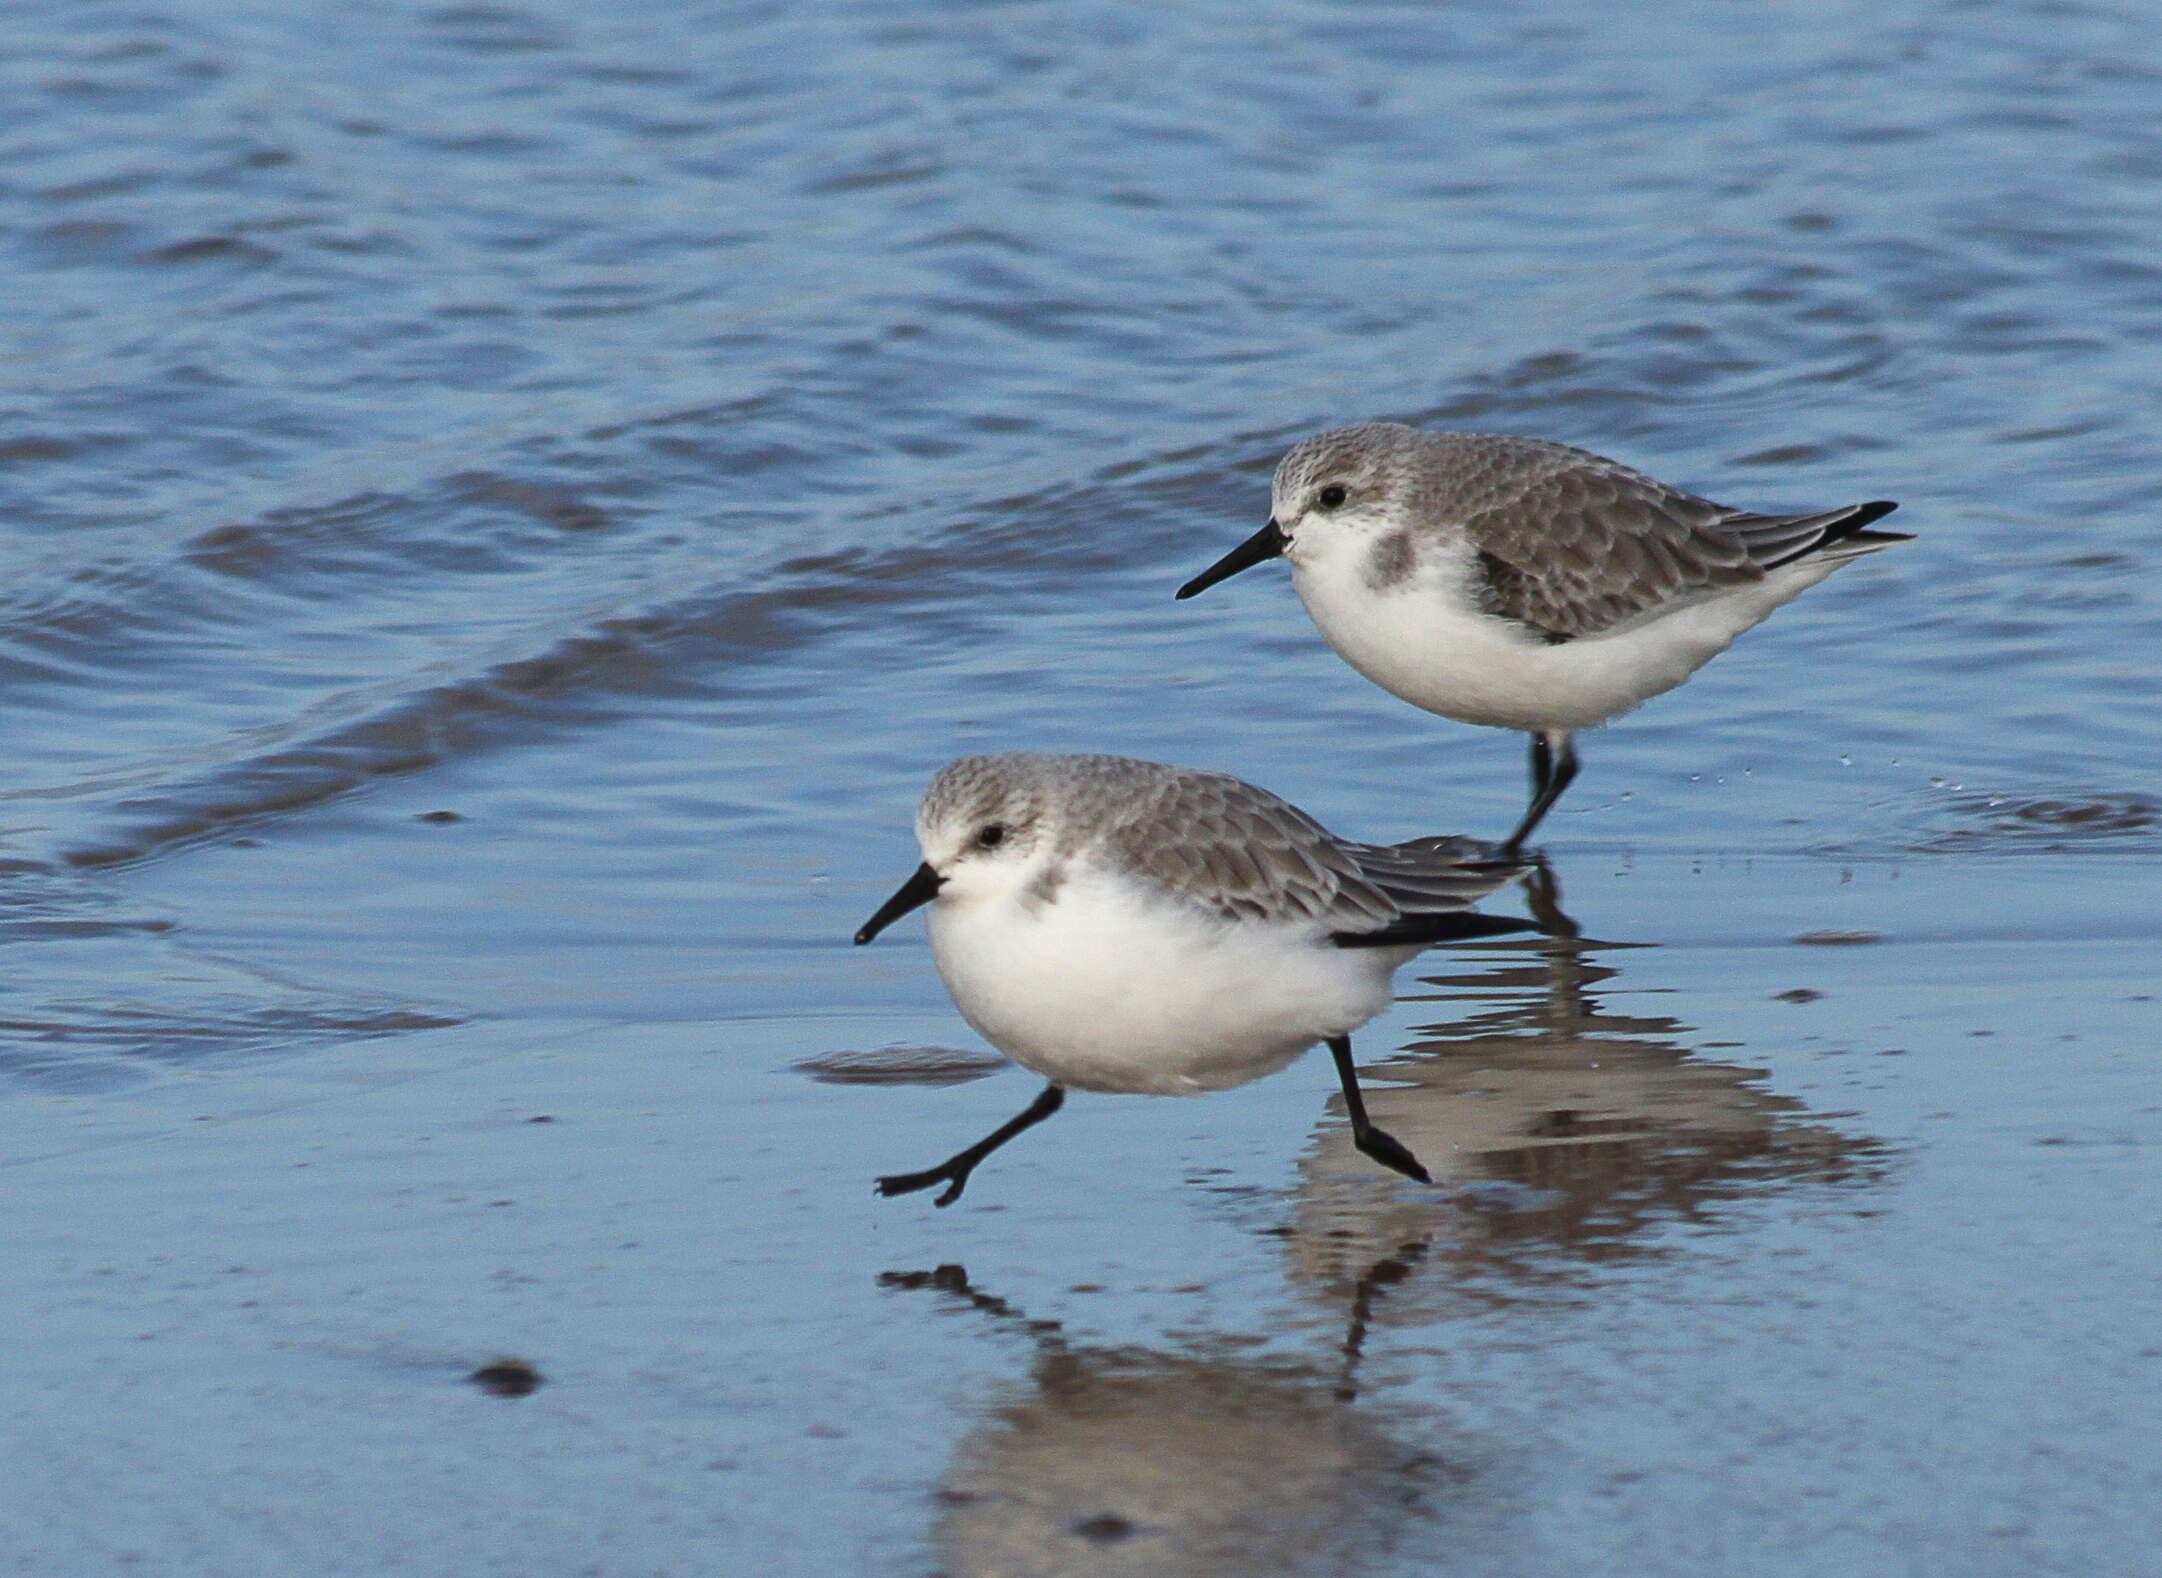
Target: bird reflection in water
{"points": [[1201, 1462], [1567, 1130]]}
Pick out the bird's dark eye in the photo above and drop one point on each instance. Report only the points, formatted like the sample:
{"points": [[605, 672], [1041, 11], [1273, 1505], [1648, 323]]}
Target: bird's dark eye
{"points": [[992, 836], [1331, 496]]}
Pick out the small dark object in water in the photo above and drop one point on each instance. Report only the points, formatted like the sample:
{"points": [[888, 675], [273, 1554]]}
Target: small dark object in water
{"points": [[1104, 1529], [1838, 939], [1800, 994], [507, 1378], [439, 817]]}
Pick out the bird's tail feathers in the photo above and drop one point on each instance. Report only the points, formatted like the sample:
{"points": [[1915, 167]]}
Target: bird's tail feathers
{"points": [[1775, 540]]}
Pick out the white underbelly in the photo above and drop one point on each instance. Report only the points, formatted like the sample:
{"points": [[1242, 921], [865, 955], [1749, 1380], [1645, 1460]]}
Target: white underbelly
{"points": [[1100, 993], [1417, 642]]}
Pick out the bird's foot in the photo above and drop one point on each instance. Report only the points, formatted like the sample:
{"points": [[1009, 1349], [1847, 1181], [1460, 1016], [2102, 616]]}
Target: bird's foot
{"points": [[1388, 1150], [954, 1177]]}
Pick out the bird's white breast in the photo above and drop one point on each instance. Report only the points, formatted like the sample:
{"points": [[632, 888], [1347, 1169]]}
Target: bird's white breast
{"points": [[1427, 640], [1106, 987]]}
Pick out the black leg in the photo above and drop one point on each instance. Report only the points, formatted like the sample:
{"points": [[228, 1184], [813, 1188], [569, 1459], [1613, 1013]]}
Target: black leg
{"points": [[953, 1172], [1553, 756], [1383, 1146]]}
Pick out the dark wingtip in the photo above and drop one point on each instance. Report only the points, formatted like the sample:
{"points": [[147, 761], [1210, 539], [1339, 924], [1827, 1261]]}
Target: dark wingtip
{"points": [[1850, 529], [1859, 518], [1411, 930]]}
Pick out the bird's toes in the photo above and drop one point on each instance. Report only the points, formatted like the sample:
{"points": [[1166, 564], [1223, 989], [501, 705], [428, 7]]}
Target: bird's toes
{"points": [[1386, 1149], [907, 1183]]}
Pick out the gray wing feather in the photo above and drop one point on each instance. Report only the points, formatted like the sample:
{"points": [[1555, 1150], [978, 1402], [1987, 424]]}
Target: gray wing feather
{"points": [[1571, 543], [1584, 549], [1244, 854], [1430, 876]]}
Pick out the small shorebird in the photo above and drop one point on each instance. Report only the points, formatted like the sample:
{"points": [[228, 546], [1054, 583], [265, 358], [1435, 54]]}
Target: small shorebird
{"points": [[1118, 925], [1523, 584]]}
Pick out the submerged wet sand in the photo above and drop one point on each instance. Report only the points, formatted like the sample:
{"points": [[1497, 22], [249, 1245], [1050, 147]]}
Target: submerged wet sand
{"points": [[1710, 1280]]}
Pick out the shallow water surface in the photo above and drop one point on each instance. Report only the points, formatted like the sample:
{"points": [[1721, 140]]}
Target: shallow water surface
{"points": [[505, 506]]}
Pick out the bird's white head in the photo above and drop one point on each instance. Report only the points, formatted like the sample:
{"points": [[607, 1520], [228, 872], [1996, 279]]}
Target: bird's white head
{"points": [[986, 824], [1344, 490], [1340, 497], [987, 828]]}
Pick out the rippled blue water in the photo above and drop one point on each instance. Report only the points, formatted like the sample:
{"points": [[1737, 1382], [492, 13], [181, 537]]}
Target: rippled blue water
{"points": [[503, 505]]}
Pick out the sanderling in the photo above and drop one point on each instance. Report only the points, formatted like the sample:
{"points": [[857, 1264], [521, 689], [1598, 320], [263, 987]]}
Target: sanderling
{"points": [[1523, 584], [1117, 925]]}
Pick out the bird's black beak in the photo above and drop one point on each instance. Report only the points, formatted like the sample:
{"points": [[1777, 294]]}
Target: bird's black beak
{"points": [[1267, 543], [918, 890]]}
